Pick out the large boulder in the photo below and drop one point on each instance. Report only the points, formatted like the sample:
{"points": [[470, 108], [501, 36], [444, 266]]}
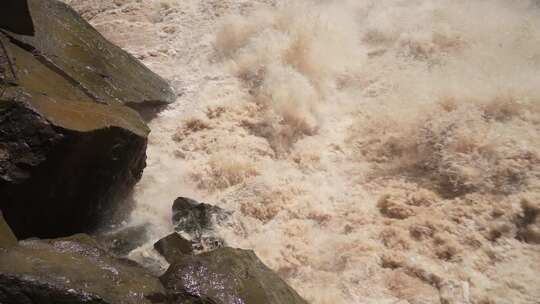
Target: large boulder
{"points": [[197, 220], [229, 276], [64, 165], [70, 150], [68, 45], [73, 270]]}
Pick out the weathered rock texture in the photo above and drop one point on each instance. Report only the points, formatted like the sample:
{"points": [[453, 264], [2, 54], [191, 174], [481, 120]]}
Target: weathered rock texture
{"points": [[68, 45], [229, 276], [70, 150], [73, 270]]}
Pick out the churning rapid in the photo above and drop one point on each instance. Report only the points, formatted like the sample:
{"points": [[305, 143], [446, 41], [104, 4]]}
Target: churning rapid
{"points": [[371, 151]]}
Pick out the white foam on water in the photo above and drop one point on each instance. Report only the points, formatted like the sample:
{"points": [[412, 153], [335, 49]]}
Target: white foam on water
{"points": [[372, 151]]}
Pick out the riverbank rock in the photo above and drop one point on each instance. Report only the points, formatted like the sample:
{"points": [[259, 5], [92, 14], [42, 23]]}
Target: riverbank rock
{"points": [[70, 148], [68, 45], [64, 165], [229, 276], [73, 270]]}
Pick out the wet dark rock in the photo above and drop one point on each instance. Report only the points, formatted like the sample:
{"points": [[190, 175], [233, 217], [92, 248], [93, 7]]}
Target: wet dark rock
{"points": [[229, 276], [15, 17], [73, 270], [173, 247], [66, 44], [7, 238], [197, 220], [193, 217], [70, 150], [124, 240], [65, 165]]}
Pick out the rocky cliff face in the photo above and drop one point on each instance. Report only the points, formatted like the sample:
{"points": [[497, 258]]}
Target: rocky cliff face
{"points": [[70, 148]]}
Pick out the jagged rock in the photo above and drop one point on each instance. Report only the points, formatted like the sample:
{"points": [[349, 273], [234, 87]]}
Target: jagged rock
{"points": [[7, 238], [229, 276], [173, 247], [193, 217], [70, 151], [124, 240], [65, 43], [197, 220], [73, 270]]}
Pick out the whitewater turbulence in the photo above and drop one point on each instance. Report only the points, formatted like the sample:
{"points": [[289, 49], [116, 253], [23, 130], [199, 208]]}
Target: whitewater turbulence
{"points": [[371, 151]]}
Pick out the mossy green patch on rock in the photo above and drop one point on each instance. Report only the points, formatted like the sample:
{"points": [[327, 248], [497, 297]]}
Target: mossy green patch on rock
{"points": [[76, 115], [67, 44], [27, 71]]}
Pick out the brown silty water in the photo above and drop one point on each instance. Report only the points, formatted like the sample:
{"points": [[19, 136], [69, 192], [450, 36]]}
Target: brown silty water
{"points": [[371, 151]]}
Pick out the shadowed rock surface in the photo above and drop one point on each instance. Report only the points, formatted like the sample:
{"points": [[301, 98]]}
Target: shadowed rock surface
{"points": [[229, 276], [65, 165], [7, 238], [15, 17]]}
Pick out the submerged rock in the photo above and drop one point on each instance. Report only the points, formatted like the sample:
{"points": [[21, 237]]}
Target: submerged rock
{"points": [[229, 276], [124, 240], [173, 247], [73, 270]]}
